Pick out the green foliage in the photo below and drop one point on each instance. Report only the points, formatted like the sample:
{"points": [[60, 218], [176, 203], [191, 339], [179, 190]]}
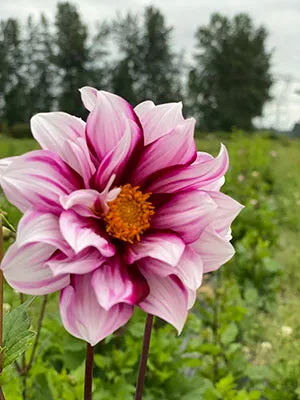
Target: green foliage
{"points": [[20, 131], [16, 333], [233, 346], [230, 80]]}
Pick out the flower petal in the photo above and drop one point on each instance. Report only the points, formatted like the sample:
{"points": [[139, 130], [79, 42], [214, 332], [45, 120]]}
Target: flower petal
{"points": [[213, 249], [187, 214], [118, 158], [81, 263], [159, 120], [176, 148], [168, 299], [107, 122], [90, 203], [4, 163], [38, 179], [64, 134], [163, 246], [78, 157], [226, 212], [82, 315], [81, 233], [36, 226], [88, 97], [202, 174], [190, 269], [142, 108], [25, 270], [53, 128], [115, 283]]}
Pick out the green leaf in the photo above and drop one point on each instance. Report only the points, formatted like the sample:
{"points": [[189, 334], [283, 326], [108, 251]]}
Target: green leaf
{"points": [[16, 333], [229, 334], [5, 221]]}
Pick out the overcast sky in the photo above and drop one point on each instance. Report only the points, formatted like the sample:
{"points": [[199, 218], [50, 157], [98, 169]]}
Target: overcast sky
{"points": [[280, 17]]}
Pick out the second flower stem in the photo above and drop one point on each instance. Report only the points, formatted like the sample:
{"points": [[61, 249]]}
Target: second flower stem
{"points": [[88, 382], [144, 357]]}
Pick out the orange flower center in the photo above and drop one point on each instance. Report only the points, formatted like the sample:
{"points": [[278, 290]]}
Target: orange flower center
{"points": [[129, 214]]}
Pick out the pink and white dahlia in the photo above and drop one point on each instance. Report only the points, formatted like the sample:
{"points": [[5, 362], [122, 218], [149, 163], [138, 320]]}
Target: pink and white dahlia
{"points": [[120, 211]]}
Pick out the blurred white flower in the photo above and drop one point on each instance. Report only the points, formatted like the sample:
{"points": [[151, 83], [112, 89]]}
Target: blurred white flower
{"points": [[255, 174], [266, 346], [6, 307], [241, 178], [253, 202], [273, 153], [286, 330]]}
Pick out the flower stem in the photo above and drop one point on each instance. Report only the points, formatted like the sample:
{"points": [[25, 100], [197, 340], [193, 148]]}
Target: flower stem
{"points": [[88, 372], [144, 357], [39, 327], [1, 304]]}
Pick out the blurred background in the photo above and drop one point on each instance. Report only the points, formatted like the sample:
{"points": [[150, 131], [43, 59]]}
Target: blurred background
{"points": [[235, 66]]}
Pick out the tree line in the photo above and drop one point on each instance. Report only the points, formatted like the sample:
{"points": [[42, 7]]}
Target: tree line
{"points": [[43, 63]]}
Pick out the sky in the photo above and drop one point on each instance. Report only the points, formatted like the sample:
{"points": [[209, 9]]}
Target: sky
{"points": [[280, 17]]}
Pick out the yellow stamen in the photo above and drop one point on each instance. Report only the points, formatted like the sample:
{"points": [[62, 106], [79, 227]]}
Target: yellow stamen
{"points": [[129, 214]]}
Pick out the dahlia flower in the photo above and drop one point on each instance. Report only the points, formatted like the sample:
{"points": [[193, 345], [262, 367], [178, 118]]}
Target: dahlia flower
{"points": [[120, 211]]}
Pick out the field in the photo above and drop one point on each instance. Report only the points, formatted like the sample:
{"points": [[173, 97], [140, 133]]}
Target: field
{"points": [[242, 339]]}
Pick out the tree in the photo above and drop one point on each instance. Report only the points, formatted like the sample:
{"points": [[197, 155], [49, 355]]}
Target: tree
{"points": [[231, 79], [12, 82], [39, 71], [126, 70], [71, 58], [160, 65], [148, 68]]}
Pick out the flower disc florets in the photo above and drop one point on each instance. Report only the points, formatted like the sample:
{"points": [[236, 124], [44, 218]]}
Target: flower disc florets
{"points": [[129, 214]]}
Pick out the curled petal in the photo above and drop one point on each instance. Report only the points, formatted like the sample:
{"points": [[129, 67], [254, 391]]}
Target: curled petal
{"points": [[226, 212], [142, 108], [82, 315], [25, 270], [64, 134], [107, 122], [81, 233], [53, 128], [213, 249], [162, 246], [115, 283], [37, 179], [41, 227], [159, 120], [168, 299], [206, 173], [117, 159], [187, 214], [88, 97], [90, 203], [175, 148], [78, 157], [189, 268], [192, 298], [82, 263]]}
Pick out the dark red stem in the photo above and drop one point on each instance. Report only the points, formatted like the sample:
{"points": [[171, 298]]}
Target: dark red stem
{"points": [[144, 358], [88, 372]]}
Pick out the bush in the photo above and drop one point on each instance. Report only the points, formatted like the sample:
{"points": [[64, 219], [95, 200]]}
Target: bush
{"points": [[20, 131]]}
